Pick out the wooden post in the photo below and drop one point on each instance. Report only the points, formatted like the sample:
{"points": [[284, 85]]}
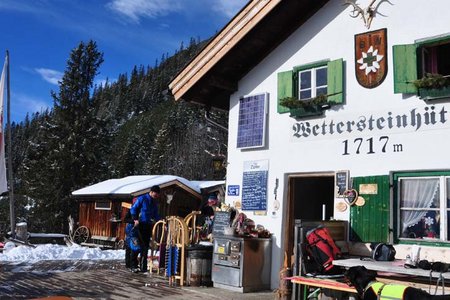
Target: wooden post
{"points": [[285, 290]]}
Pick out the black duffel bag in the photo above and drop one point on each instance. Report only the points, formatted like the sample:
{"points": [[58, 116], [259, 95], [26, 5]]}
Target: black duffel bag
{"points": [[383, 252]]}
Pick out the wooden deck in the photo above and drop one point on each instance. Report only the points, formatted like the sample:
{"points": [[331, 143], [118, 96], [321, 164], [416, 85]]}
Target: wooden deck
{"points": [[99, 280]]}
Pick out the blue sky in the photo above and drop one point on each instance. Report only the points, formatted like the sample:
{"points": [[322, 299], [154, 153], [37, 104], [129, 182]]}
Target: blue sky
{"points": [[40, 34]]}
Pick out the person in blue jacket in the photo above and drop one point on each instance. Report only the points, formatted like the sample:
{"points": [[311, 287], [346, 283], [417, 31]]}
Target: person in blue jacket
{"points": [[131, 239], [145, 213], [133, 246]]}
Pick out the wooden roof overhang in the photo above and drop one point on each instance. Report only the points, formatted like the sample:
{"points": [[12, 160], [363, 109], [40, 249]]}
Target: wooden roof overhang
{"points": [[129, 196], [213, 75]]}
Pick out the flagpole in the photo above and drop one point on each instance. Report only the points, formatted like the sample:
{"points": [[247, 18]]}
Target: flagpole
{"points": [[10, 170]]}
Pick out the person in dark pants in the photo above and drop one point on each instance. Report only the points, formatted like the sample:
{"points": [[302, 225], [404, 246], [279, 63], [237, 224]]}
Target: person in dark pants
{"points": [[144, 213], [128, 219], [129, 232]]}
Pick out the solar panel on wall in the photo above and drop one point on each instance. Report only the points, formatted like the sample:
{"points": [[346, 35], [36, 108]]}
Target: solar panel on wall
{"points": [[252, 121]]}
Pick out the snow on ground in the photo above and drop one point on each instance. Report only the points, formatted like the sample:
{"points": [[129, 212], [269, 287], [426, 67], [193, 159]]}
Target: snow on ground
{"points": [[56, 252]]}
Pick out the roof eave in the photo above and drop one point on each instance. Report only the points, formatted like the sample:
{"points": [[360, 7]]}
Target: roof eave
{"points": [[213, 75], [218, 47]]}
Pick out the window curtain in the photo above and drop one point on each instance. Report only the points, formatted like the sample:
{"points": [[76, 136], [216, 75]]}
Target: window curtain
{"points": [[417, 194]]}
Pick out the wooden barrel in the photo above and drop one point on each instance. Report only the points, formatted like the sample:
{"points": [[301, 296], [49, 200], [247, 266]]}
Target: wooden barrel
{"points": [[199, 265]]}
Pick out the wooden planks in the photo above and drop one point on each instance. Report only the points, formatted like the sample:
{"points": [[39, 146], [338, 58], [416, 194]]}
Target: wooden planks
{"points": [[323, 283], [99, 279], [86, 279]]}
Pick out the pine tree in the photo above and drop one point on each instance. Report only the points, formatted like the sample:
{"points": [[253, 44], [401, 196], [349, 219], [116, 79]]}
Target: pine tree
{"points": [[76, 156], [125, 127]]}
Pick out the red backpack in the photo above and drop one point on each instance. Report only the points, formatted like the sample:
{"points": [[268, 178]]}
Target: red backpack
{"points": [[322, 249]]}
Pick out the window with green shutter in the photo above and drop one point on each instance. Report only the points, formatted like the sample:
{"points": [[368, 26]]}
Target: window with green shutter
{"points": [[423, 68], [309, 89], [285, 89], [405, 68], [336, 81]]}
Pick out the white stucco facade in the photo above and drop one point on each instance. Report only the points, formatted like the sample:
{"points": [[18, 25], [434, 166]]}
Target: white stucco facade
{"points": [[330, 34]]}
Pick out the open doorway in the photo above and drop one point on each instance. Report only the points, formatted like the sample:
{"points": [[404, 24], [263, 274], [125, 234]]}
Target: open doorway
{"points": [[310, 197]]}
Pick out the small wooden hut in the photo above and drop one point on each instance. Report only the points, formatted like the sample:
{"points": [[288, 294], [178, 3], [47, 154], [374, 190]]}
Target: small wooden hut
{"points": [[102, 206]]}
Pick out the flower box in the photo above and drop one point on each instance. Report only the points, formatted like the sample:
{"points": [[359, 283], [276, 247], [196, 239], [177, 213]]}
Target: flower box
{"points": [[433, 94], [304, 112]]}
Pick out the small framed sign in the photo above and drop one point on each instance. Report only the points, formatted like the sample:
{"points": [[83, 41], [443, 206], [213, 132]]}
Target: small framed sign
{"points": [[233, 190], [341, 180], [368, 189], [351, 196]]}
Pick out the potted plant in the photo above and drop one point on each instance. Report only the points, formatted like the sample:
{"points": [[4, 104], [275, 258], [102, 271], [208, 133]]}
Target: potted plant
{"points": [[305, 108], [433, 86]]}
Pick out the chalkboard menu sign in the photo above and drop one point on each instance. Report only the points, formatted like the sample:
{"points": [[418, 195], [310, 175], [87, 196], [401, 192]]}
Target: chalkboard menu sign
{"points": [[221, 221], [341, 179], [254, 185], [254, 190]]}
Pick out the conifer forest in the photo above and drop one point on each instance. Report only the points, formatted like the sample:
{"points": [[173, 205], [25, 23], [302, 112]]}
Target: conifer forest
{"points": [[130, 126]]}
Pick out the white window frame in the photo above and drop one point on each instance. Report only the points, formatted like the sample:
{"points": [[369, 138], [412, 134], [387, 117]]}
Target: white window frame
{"points": [[425, 45], [313, 87], [103, 208], [443, 209]]}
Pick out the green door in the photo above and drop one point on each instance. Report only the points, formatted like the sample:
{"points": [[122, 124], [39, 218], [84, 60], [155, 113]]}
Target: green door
{"points": [[370, 222]]}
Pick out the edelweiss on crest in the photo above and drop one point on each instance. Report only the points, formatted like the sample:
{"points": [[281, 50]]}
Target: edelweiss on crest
{"points": [[370, 60]]}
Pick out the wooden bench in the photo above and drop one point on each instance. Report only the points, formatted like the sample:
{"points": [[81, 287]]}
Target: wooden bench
{"points": [[101, 242], [321, 283]]}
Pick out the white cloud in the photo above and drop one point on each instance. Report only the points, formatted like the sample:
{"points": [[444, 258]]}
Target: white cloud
{"points": [[33, 104], [49, 75], [22, 104], [135, 9], [20, 6], [229, 7]]}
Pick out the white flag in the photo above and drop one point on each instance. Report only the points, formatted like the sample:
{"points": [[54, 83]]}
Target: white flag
{"points": [[3, 184]]}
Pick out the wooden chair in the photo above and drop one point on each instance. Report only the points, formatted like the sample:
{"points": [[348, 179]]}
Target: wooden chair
{"points": [[177, 239], [193, 229], [158, 243]]}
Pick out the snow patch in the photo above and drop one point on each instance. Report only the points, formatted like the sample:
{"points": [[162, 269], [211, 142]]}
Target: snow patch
{"points": [[58, 252]]}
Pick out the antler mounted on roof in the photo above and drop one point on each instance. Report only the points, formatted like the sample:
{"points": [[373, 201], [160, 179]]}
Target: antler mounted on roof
{"points": [[367, 14]]}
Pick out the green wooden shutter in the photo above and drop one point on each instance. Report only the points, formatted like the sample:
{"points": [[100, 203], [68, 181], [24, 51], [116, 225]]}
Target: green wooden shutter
{"points": [[336, 81], [405, 68], [370, 222], [284, 89]]}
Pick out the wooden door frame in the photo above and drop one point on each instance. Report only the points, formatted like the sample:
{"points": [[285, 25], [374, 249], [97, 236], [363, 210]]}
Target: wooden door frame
{"points": [[288, 243]]}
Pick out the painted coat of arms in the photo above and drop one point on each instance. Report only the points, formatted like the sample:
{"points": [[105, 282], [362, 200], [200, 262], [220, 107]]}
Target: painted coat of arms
{"points": [[371, 58]]}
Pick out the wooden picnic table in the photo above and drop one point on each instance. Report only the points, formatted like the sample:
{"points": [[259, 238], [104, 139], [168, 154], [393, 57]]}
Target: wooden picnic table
{"points": [[396, 266]]}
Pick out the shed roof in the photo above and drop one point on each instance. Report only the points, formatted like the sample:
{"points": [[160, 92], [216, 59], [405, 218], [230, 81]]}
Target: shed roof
{"points": [[139, 184], [208, 184], [213, 75]]}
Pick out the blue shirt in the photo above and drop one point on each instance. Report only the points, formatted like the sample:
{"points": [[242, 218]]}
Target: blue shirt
{"points": [[145, 209]]}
